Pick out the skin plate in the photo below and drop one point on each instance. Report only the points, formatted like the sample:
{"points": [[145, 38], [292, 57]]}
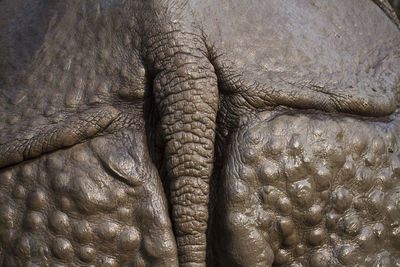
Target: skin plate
{"points": [[345, 51], [309, 190], [98, 203], [89, 56]]}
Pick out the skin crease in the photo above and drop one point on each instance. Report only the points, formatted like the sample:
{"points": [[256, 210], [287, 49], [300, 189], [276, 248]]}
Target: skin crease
{"points": [[177, 80]]}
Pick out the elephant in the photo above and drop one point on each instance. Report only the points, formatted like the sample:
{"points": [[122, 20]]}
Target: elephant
{"points": [[199, 133]]}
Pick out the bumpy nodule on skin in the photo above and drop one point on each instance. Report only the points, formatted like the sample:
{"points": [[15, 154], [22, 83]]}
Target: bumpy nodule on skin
{"points": [[310, 190], [92, 204], [82, 64]]}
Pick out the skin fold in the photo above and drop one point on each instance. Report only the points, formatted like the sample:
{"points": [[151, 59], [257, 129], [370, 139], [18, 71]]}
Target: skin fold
{"points": [[146, 124]]}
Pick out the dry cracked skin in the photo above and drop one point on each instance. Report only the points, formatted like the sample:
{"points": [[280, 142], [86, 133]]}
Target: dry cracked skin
{"points": [[199, 133]]}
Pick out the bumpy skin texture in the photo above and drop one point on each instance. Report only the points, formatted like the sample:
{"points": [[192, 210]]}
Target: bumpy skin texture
{"points": [[310, 190], [86, 205], [111, 108]]}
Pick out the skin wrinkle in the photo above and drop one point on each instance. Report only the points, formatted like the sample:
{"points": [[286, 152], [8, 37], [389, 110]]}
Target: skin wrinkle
{"points": [[61, 135], [243, 102], [389, 11], [251, 90]]}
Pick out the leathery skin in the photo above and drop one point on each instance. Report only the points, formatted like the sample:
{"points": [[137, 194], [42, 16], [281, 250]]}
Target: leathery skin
{"points": [[96, 204], [309, 190], [111, 111]]}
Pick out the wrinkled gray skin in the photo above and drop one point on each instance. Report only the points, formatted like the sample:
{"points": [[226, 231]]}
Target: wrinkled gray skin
{"points": [[194, 133]]}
